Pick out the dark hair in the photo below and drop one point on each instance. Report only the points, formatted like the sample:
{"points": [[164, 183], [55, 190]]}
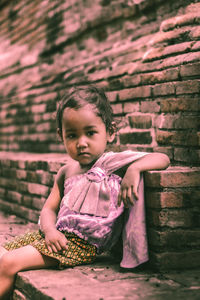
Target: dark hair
{"points": [[79, 97]]}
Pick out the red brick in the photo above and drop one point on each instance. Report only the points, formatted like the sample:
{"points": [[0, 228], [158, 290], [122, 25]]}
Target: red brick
{"points": [[117, 108], [173, 177], [54, 166], [160, 76], [180, 104], [9, 172], [188, 87], [10, 184], [129, 107], [27, 200], [7, 207], [134, 93], [21, 174], [136, 138], [21, 211], [196, 46], [112, 96], [34, 176], [21, 164], [38, 203], [171, 218], [45, 97], [2, 192], [43, 127], [195, 33], [176, 121], [184, 138], [174, 239], [98, 75], [169, 199], [161, 52], [179, 60], [187, 155], [143, 121], [38, 189], [150, 106], [190, 70], [5, 163], [164, 89], [36, 164], [175, 260], [22, 186], [181, 20], [171, 36], [40, 108], [131, 81], [167, 150], [14, 196], [44, 177]]}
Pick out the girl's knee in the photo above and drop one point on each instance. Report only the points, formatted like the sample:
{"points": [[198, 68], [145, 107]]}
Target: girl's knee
{"points": [[8, 265]]}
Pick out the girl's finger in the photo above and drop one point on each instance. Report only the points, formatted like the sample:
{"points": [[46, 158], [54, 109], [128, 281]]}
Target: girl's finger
{"points": [[135, 192], [49, 248], [54, 248], [124, 197], [130, 196], [63, 244], [119, 202], [58, 247]]}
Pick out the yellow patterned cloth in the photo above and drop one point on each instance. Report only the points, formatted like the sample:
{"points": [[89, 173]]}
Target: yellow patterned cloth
{"points": [[79, 251]]}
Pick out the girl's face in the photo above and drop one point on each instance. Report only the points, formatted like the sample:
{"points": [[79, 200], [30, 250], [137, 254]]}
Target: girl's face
{"points": [[84, 134]]}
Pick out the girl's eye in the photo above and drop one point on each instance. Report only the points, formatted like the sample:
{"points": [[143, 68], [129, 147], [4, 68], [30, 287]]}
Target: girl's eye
{"points": [[91, 133], [71, 136]]}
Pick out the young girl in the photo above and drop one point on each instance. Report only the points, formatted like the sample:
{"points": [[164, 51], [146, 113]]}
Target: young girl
{"points": [[82, 215]]}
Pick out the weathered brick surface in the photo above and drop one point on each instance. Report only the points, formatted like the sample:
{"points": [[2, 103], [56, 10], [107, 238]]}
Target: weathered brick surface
{"points": [[139, 137], [174, 177], [143, 121], [146, 64], [25, 182], [172, 210], [177, 260]]}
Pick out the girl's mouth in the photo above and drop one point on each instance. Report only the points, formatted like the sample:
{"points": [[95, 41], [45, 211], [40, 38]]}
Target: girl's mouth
{"points": [[84, 154]]}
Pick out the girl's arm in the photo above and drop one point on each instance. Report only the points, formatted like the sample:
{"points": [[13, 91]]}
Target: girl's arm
{"points": [[129, 186], [55, 240]]}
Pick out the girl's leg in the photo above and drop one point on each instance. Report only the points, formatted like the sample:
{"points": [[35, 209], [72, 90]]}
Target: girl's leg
{"points": [[2, 251], [25, 258]]}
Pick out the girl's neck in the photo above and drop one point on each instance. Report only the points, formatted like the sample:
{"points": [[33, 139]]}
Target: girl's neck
{"points": [[85, 168]]}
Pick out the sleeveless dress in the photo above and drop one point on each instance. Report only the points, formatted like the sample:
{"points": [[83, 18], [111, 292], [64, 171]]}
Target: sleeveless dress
{"points": [[91, 220]]}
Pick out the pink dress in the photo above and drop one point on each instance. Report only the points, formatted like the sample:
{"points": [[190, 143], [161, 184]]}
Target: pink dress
{"points": [[89, 209]]}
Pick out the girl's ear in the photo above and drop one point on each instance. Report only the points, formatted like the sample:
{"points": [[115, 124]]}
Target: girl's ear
{"points": [[59, 133], [111, 133]]}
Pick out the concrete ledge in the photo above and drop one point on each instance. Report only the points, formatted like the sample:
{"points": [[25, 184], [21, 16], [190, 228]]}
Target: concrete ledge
{"points": [[172, 203]]}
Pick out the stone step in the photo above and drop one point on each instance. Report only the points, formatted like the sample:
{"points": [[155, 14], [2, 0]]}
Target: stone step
{"points": [[102, 280]]}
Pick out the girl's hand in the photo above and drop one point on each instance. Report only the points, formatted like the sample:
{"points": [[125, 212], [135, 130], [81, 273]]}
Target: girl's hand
{"points": [[129, 187], [55, 240]]}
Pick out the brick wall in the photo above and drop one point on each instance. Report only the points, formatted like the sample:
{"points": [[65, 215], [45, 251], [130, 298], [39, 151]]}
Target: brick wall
{"points": [[172, 200], [26, 181], [172, 203], [144, 53]]}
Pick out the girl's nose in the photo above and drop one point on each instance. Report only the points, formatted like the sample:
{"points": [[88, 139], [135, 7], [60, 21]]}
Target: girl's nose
{"points": [[82, 142]]}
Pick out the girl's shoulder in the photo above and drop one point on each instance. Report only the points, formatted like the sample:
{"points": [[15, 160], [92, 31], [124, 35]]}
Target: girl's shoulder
{"points": [[72, 168]]}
